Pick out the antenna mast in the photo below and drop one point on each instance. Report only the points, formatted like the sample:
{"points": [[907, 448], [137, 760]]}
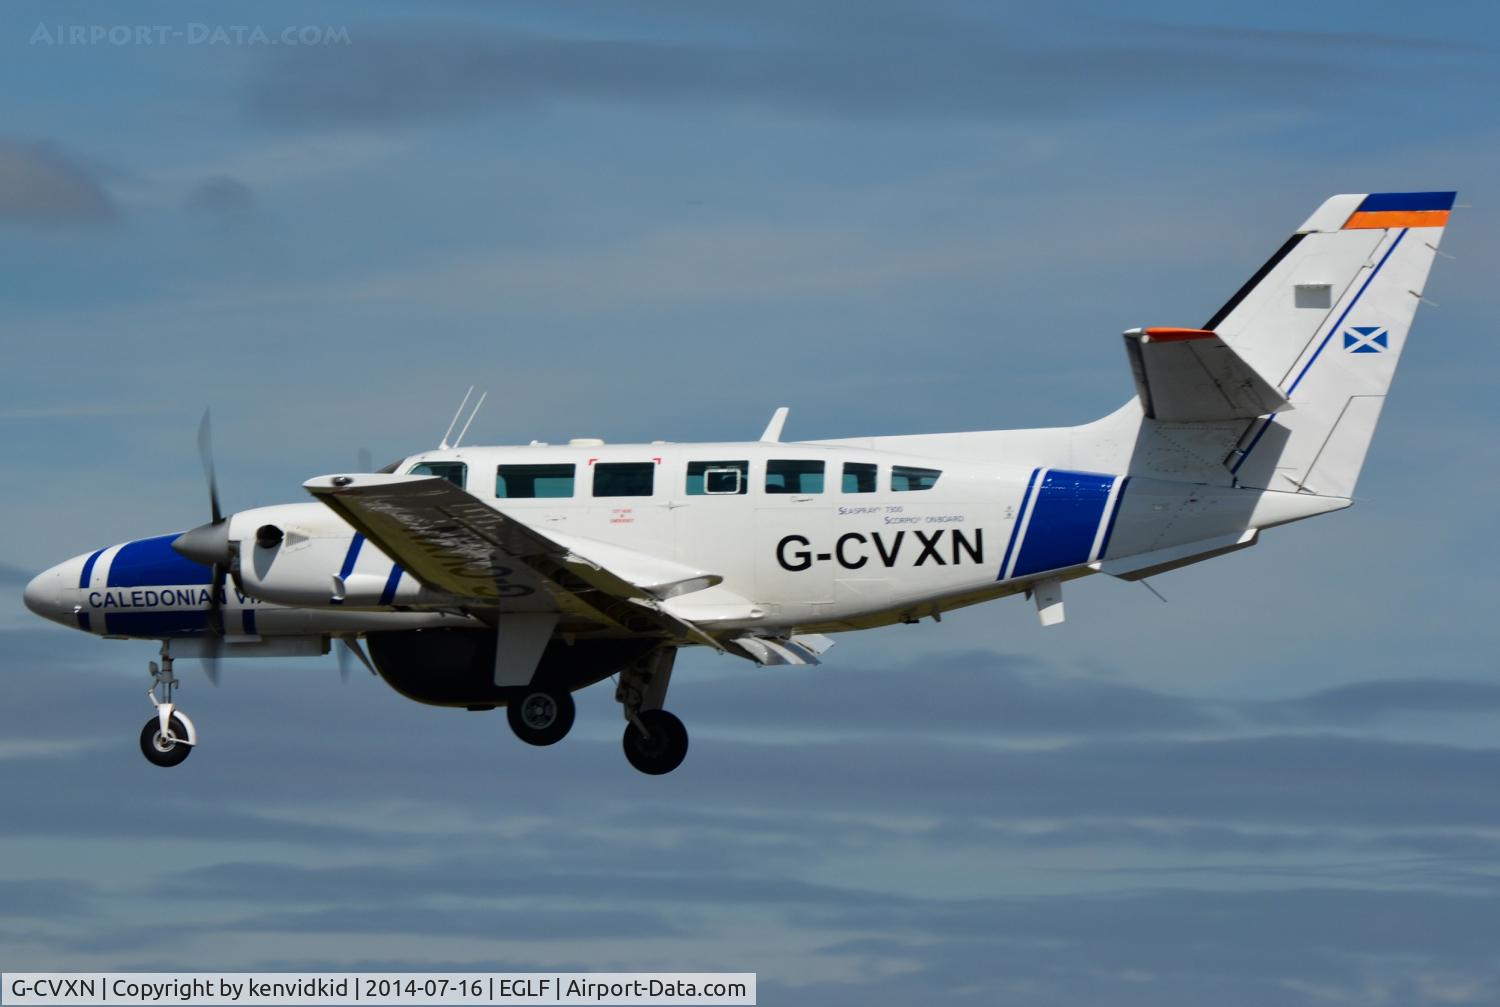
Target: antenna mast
{"points": [[444, 445]]}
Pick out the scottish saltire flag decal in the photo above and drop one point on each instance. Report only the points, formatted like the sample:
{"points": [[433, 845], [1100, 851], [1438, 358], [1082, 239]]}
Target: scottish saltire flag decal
{"points": [[1366, 339]]}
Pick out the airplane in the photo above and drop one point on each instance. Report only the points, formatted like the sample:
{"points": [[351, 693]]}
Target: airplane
{"points": [[487, 577]]}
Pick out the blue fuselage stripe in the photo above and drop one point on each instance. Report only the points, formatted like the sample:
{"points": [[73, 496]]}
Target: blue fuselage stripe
{"points": [[352, 556], [87, 575], [1069, 508], [156, 625], [247, 621], [1015, 530], [1114, 513], [389, 594], [151, 562]]}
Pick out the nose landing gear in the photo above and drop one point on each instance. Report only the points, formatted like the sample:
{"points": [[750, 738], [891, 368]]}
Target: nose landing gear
{"points": [[167, 738]]}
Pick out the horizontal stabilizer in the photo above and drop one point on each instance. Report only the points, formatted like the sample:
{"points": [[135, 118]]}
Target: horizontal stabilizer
{"points": [[1150, 564], [1192, 376]]}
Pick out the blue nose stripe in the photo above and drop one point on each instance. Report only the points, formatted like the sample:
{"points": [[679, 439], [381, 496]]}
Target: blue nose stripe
{"points": [[87, 575], [156, 625], [152, 562]]}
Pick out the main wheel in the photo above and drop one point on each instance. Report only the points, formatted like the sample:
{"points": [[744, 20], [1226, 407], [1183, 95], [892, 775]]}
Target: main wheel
{"points": [[664, 750], [158, 750], [541, 717]]}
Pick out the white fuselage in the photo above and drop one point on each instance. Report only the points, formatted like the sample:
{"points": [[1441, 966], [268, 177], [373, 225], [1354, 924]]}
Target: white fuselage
{"points": [[811, 536]]}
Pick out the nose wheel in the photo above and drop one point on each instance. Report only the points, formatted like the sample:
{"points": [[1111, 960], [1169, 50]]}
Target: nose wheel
{"points": [[169, 737], [163, 749]]}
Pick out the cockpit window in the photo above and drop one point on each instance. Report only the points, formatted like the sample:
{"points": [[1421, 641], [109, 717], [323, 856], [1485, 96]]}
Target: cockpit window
{"points": [[456, 473], [905, 478]]}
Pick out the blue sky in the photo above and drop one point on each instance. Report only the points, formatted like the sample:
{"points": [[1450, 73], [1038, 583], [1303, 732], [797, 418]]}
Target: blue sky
{"points": [[663, 220]]}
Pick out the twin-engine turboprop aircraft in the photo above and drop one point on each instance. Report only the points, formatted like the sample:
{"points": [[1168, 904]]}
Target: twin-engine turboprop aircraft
{"points": [[482, 577]]}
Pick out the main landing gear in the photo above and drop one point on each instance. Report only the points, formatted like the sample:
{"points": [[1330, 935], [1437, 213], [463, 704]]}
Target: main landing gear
{"points": [[655, 741], [541, 716], [168, 738]]}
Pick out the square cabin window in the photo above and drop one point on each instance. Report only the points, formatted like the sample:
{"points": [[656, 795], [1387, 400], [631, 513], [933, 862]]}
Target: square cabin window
{"points": [[718, 478], [794, 476], [526, 481], [859, 477], [624, 479], [455, 472], [905, 478]]}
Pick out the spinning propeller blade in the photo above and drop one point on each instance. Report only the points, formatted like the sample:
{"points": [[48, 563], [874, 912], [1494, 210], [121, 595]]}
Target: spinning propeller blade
{"points": [[209, 544], [206, 454]]}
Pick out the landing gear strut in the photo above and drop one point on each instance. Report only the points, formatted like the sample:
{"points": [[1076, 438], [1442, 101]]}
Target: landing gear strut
{"points": [[168, 738], [655, 741]]}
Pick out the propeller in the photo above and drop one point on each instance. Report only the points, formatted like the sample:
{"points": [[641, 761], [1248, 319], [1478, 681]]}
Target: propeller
{"points": [[349, 642], [209, 545]]}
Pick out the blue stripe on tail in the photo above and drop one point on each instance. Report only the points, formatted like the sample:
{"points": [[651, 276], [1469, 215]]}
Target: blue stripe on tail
{"points": [[1015, 530]]}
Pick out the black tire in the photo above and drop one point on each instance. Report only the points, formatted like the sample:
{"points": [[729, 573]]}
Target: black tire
{"points": [[664, 750], [541, 716], [171, 755]]}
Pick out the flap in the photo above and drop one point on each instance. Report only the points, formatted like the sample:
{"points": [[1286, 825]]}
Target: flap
{"points": [[1191, 375]]}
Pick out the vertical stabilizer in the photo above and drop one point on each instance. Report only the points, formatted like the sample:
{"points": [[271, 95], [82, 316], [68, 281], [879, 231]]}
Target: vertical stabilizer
{"points": [[1326, 318]]}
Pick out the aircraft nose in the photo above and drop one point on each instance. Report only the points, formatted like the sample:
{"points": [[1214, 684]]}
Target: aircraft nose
{"points": [[44, 594]]}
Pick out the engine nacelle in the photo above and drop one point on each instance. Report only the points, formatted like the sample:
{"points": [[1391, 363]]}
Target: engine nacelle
{"points": [[456, 667], [304, 555]]}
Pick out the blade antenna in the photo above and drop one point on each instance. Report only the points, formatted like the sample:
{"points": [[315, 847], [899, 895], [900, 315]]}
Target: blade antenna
{"points": [[445, 445], [352, 646], [471, 419]]}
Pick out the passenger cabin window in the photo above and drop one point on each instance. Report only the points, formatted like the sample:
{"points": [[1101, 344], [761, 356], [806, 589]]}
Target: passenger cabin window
{"points": [[905, 478], [456, 473], [624, 479], [789, 476], [859, 477], [527, 481], [718, 478]]}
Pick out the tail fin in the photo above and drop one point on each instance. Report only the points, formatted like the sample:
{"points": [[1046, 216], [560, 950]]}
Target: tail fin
{"points": [[1325, 320]]}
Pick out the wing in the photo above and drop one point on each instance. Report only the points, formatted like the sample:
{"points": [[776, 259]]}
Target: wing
{"points": [[456, 543], [1191, 375]]}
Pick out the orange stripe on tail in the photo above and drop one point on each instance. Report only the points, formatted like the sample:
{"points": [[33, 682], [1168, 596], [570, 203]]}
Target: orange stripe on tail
{"points": [[1396, 218]]}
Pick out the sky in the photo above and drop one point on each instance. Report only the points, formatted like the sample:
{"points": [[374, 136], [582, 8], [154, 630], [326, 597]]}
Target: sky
{"points": [[663, 220]]}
